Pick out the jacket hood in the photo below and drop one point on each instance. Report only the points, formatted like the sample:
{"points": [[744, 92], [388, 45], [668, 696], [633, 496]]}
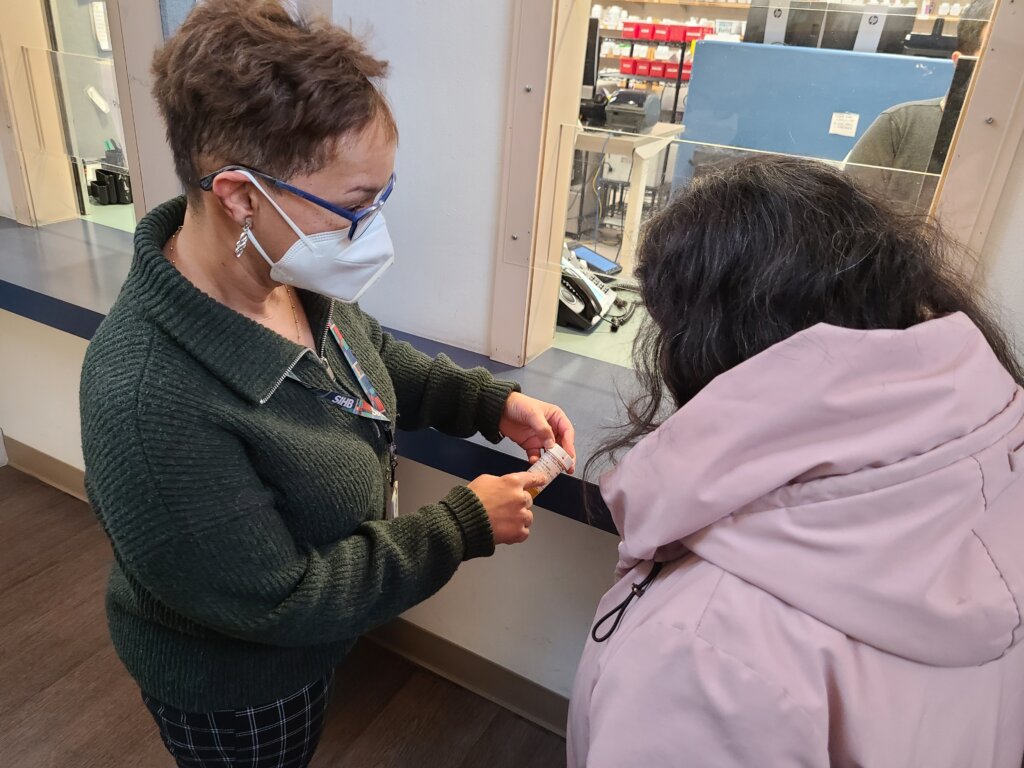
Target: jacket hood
{"points": [[844, 472]]}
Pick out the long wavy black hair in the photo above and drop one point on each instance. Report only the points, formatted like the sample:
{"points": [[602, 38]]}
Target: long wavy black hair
{"points": [[751, 255]]}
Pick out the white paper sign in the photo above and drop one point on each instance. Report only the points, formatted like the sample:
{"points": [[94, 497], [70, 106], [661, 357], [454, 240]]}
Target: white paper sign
{"points": [[844, 124], [100, 27]]}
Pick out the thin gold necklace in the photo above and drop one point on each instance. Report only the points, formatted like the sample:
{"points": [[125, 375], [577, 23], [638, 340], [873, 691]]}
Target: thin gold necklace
{"points": [[287, 289]]}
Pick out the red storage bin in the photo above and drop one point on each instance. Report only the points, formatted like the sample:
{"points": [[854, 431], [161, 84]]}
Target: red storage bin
{"points": [[698, 33], [645, 31], [677, 33], [661, 33], [627, 66], [687, 71], [643, 67], [629, 29], [657, 69], [672, 70]]}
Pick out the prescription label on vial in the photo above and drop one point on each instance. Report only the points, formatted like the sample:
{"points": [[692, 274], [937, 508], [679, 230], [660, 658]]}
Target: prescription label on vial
{"points": [[551, 464], [844, 124]]}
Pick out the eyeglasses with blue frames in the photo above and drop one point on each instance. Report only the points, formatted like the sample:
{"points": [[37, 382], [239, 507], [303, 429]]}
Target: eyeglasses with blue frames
{"points": [[360, 220]]}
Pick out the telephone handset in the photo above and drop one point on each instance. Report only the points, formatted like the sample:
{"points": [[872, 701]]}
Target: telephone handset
{"points": [[582, 299]]}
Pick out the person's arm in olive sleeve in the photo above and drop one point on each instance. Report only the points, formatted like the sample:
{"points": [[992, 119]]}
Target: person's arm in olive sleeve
{"points": [[435, 392], [208, 542]]}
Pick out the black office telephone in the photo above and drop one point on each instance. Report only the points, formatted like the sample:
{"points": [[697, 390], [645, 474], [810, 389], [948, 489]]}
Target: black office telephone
{"points": [[582, 298]]}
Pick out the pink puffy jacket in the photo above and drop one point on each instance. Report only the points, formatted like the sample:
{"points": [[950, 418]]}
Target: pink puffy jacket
{"points": [[841, 520]]}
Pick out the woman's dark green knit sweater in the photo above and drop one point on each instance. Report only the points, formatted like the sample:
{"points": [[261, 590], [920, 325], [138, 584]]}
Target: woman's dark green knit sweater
{"points": [[246, 514]]}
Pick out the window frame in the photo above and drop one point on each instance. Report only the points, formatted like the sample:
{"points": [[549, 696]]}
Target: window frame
{"points": [[527, 276]]}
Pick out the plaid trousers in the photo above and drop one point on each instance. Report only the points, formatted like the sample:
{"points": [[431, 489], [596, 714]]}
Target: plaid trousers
{"points": [[283, 734]]}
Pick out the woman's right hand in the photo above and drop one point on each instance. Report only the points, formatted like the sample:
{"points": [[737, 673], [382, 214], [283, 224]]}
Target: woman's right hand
{"points": [[508, 504]]}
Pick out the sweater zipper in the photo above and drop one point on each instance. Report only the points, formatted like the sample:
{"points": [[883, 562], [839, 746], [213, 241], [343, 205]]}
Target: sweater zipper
{"points": [[288, 370], [323, 343], [322, 356], [327, 330]]}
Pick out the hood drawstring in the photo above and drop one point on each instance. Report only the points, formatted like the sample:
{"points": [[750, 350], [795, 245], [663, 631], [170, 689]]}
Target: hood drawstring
{"points": [[619, 611]]}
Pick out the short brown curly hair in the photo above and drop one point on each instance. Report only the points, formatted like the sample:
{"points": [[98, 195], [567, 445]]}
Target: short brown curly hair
{"points": [[244, 82]]}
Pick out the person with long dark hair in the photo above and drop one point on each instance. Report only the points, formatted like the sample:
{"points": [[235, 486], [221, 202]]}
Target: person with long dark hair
{"points": [[819, 494]]}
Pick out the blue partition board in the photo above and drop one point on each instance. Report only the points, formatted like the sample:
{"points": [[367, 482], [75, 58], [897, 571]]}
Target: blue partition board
{"points": [[781, 98], [172, 13]]}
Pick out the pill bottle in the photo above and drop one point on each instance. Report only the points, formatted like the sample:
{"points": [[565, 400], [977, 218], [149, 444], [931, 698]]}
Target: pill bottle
{"points": [[551, 464]]}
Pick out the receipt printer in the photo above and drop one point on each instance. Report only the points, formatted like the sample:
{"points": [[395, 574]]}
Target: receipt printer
{"points": [[633, 111]]}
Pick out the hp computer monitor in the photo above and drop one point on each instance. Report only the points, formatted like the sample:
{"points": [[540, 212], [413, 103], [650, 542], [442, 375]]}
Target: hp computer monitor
{"points": [[839, 26], [874, 28]]}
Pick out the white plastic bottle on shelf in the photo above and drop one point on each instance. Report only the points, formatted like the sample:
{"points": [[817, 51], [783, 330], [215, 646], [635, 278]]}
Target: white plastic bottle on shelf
{"points": [[597, 12], [944, 9], [956, 9]]}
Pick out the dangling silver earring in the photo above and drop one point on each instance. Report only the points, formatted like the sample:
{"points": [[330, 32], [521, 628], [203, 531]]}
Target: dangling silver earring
{"points": [[243, 239]]}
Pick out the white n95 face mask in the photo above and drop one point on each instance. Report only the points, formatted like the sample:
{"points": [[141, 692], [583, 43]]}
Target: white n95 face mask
{"points": [[329, 263]]}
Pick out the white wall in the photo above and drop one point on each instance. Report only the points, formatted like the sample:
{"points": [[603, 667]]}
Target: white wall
{"points": [[6, 202], [530, 607], [39, 372], [1003, 256], [448, 86]]}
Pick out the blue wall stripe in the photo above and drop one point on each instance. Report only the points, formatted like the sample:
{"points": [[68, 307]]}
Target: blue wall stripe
{"points": [[47, 310], [454, 456]]}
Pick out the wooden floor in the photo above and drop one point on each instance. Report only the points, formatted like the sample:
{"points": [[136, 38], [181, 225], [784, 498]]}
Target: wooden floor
{"points": [[65, 700]]}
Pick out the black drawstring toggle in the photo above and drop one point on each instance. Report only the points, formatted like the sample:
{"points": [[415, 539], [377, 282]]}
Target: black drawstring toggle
{"points": [[618, 612]]}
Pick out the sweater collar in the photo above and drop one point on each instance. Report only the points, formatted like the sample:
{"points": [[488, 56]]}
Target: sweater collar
{"points": [[249, 358]]}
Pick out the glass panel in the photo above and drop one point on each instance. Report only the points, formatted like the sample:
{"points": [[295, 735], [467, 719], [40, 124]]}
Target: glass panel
{"points": [[85, 90], [875, 89], [619, 181]]}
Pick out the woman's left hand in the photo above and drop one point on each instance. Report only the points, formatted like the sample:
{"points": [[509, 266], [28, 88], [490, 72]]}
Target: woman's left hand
{"points": [[536, 425]]}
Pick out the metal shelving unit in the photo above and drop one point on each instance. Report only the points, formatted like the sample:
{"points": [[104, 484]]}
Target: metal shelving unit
{"points": [[614, 34]]}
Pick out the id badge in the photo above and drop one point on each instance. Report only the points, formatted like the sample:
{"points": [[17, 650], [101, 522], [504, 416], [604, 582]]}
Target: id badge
{"points": [[392, 510]]}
